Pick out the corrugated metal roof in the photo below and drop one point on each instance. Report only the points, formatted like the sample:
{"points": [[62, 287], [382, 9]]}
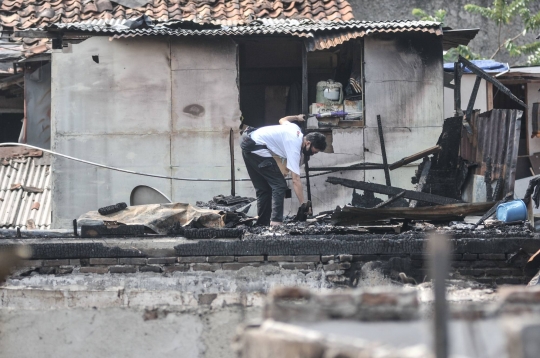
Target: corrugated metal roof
{"points": [[496, 136], [320, 35], [257, 27], [16, 205]]}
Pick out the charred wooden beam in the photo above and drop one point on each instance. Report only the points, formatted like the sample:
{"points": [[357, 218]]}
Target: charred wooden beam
{"points": [[361, 166], [480, 73], [383, 152], [389, 200], [390, 190], [305, 109], [89, 231], [422, 181], [458, 71], [415, 157], [472, 99], [352, 215]]}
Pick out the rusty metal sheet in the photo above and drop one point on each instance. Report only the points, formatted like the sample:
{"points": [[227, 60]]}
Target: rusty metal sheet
{"points": [[320, 34], [495, 135]]}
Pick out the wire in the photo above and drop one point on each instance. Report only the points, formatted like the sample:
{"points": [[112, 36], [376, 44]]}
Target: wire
{"points": [[131, 171]]}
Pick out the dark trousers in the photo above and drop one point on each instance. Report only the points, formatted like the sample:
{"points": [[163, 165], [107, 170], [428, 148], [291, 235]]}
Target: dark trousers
{"points": [[270, 187]]}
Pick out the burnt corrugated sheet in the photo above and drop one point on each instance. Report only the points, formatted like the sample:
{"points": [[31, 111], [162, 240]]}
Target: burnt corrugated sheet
{"points": [[16, 205], [496, 136], [320, 35]]}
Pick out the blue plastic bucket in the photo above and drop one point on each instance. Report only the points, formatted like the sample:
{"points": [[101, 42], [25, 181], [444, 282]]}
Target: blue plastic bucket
{"points": [[514, 210]]}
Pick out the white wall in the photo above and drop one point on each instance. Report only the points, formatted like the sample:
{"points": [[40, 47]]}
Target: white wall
{"points": [[532, 96], [404, 85], [467, 84], [129, 111]]}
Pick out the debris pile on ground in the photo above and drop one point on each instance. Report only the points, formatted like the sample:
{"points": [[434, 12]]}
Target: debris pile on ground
{"points": [[227, 203]]}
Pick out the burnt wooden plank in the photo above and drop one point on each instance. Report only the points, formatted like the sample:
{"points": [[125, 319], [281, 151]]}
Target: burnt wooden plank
{"points": [[472, 99], [352, 215], [102, 230], [414, 157], [383, 151], [479, 72], [389, 200], [390, 190], [305, 109]]}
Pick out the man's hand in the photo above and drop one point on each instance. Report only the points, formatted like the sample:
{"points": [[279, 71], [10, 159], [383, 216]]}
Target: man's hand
{"points": [[299, 117], [304, 211]]}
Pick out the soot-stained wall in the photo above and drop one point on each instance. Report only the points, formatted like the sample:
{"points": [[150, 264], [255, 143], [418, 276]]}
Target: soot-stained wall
{"points": [[166, 106]]}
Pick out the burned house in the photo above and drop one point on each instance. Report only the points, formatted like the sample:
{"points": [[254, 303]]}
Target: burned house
{"points": [[161, 94]]}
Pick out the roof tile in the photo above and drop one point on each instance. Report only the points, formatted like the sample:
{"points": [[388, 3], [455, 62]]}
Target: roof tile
{"points": [[231, 12]]}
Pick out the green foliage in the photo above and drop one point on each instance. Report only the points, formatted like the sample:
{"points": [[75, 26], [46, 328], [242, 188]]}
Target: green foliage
{"points": [[502, 13], [452, 54], [439, 15]]}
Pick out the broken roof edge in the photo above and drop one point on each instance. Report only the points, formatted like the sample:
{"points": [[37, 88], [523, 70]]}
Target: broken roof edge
{"points": [[454, 38], [255, 27]]}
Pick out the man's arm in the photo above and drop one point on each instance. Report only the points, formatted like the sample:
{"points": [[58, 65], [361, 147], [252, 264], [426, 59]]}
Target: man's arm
{"points": [[299, 117], [297, 186]]}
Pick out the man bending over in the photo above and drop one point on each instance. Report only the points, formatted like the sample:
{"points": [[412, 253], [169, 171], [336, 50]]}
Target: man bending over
{"points": [[287, 144]]}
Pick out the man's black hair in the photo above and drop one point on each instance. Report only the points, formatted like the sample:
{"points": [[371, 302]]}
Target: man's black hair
{"points": [[318, 140]]}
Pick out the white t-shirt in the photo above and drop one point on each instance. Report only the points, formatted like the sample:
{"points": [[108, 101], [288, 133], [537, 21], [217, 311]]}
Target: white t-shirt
{"points": [[285, 140]]}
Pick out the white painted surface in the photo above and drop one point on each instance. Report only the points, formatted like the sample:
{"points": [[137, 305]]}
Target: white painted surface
{"points": [[129, 110], [467, 84], [532, 96]]}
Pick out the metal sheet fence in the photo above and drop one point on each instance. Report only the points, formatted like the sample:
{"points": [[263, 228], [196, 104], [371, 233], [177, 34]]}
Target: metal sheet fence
{"points": [[496, 136]]}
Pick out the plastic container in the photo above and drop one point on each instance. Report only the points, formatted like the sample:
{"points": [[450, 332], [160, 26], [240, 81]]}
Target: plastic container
{"points": [[514, 210]]}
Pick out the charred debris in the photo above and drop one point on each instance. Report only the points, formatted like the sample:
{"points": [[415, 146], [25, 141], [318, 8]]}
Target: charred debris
{"points": [[472, 145]]}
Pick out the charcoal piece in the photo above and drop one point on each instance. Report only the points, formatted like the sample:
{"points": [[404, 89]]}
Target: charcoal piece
{"points": [[208, 233], [103, 230], [111, 209]]}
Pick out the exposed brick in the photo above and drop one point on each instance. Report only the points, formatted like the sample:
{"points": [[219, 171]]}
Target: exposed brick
{"points": [[483, 264], [281, 258], [206, 267], [150, 269], [207, 298], [132, 261], [180, 268], [365, 258], [345, 258], [55, 262], [75, 262], [471, 272], [492, 256], [456, 257], [307, 258], [486, 280], [417, 263], [337, 266], [422, 257], [509, 281], [64, 270], [457, 264], [470, 257], [94, 269], [47, 270], [250, 258], [325, 259], [30, 263], [220, 258], [503, 272], [103, 261], [161, 260], [122, 269], [239, 265], [298, 266], [191, 259]]}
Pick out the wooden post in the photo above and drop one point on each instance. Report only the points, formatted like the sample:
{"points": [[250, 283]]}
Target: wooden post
{"points": [[305, 109]]}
